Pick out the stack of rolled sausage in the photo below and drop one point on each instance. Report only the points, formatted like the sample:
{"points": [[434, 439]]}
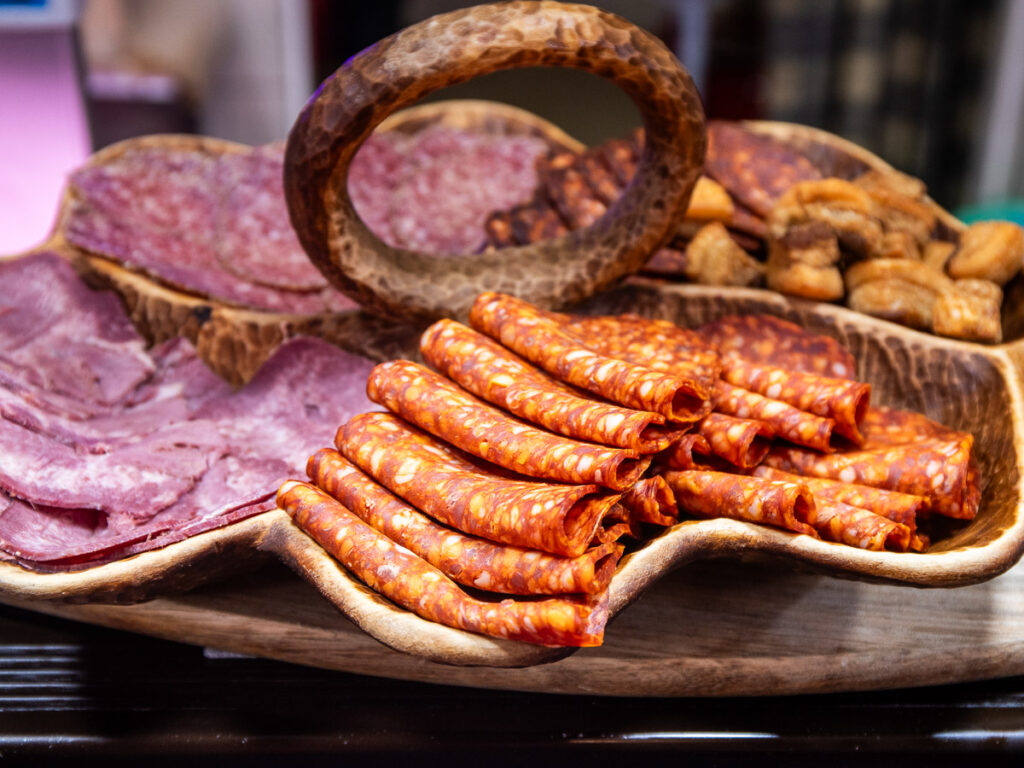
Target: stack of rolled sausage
{"points": [[498, 491]]}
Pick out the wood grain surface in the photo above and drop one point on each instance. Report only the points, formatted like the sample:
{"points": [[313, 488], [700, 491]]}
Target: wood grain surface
{"points": [[772, 630]]}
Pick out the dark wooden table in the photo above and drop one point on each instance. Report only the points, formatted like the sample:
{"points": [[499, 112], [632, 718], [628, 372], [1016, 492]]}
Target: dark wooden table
{"points": [[70, 691]]}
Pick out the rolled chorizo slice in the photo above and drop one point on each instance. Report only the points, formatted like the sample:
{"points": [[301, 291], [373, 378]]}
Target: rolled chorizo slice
{"points": [[493, 373], [720, 494], [655, 344], [938, 470], [432, 402], [680, 455], [742, 442], [785, 421], [898, 507], [467, 560], [651, 501], [773, 341], [414, 584], [884, 427], [470, 496], [842, 400], [532, 334], [861, 528]]}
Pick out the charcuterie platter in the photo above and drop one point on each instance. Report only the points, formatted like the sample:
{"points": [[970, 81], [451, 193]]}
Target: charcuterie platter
{"points": [[944, 435]]}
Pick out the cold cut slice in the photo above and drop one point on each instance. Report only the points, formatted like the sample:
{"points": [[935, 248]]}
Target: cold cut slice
{"points": [[787, 422]]}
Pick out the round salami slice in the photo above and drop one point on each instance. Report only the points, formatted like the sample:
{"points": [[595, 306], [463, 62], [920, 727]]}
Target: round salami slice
{"points": [[467, 560], [448, 486], [435, 404], [414, 584], [785, 421]]}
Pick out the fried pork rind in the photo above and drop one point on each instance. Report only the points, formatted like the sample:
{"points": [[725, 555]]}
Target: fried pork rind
{"points": [[897, 269], [892, 181], [899, 245], [969, 311], [802, 262], [989, 250], [847, 209], [936, 254], [897, 300], [899, 212], [709, 201], [714, 258]]}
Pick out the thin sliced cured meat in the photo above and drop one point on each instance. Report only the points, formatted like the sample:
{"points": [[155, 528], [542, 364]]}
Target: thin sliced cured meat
{"points": [[437, 479], [468, 560], [773, 341], [785, 421], [898, 507], [742, 442], [935, 469], [651, 501], [532, 334], [566, 186], [680, 455], [886, 427], [412, 583], [861, 528], [433, 403], [720, 494], [842, 400], [492, 372], [656, 344], [756, 169]]}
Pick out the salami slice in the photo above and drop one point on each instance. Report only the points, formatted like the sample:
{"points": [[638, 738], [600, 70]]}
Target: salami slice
{"points": [[862, 528], [898, 507], [756, 169], [434, 478], [491, 372], [719, 494], [532, 334], [566, 186], [742, 442], [535, 221], [651, 501], [887, 427], [434, 404], [843, 401], [772, 341], [935, 469], [465, 559], [412, 583], [783, 419]]}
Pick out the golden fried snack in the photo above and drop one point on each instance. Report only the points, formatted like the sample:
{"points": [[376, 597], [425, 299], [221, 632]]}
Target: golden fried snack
{"points": [[897, 269], [897, 300], [846, 208], [709, 201], [990, 250], [936, 253], [891, 181], [901, 213], [898, 245], [714, 258], [969, 311]]}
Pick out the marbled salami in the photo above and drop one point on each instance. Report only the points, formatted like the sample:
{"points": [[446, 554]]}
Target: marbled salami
{"points": [[861, 528], [435, 404], [492, 372], [787, 422], [448, 486], [720, 494], [742, 442], [534, 335], [680, 455], [414, 584], [467, 560], [651, 501], [843, 401]]}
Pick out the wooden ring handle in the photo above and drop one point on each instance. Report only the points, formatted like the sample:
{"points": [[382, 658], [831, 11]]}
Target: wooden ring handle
{"points": [[452, 48]]}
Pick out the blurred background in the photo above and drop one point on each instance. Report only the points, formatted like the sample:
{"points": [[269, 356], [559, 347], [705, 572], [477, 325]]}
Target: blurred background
{"points": [[936, 87]]}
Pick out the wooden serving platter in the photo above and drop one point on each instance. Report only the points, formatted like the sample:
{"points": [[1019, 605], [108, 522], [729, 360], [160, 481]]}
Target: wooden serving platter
{"points": [[772, 630]]}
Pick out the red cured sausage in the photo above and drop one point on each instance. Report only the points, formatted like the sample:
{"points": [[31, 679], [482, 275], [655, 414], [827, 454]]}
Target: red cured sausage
{"points": [[719, 494], [783, 419], [858, 527], [935, 469], [898, 507], [444, 483], [886, 427], [769, 340], [680, 455], [742, 442], [532, 334], [465, 559], [491, 372], [651, 501], [417, 586], [433, 403], [843, 401], [655, 344]]}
